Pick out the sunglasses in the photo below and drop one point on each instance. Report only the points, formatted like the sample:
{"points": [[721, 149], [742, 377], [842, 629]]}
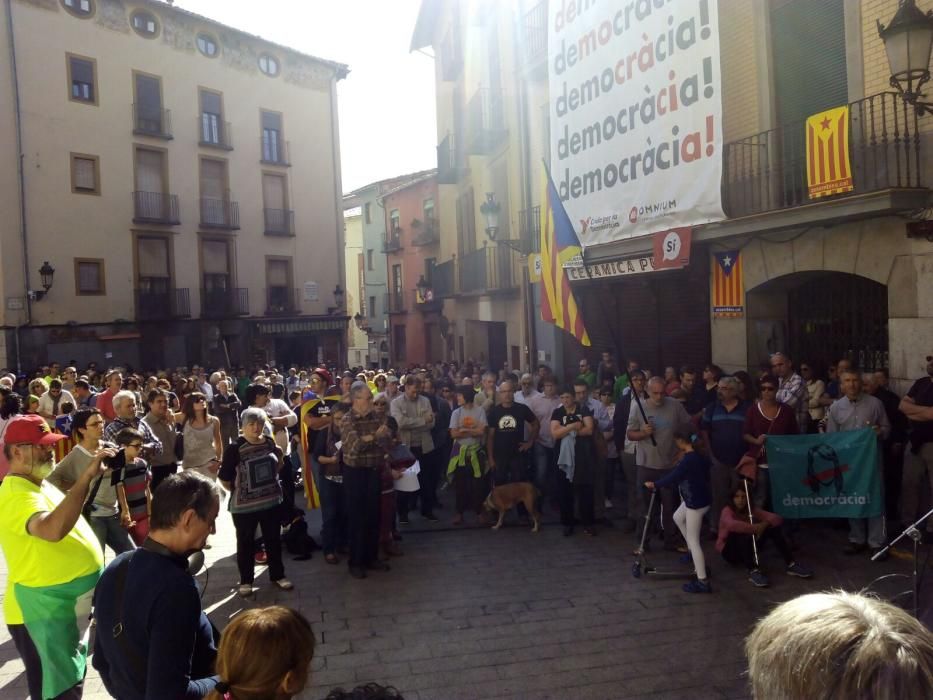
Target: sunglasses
{"points": [[200, 400]]}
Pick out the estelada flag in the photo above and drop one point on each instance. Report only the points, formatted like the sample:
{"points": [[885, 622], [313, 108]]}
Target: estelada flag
{"points": [[828, 168], [559, 245], [311, 490], [728, 285]]}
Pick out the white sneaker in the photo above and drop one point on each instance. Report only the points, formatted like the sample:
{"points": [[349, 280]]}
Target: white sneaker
{"points": [[608, 503], [245, 590], [284, 584]]}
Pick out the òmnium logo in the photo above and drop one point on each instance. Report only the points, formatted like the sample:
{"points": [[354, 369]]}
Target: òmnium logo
{"points": [[652, 210]]}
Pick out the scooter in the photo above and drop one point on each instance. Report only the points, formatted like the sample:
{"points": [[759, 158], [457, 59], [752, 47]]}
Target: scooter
{"points": [[641, 565]]}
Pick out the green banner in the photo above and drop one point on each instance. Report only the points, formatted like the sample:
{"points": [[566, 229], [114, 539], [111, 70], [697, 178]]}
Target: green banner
{"points": [[830, 475]]}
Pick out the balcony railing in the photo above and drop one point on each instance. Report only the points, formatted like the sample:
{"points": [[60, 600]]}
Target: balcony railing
{"points": [[447, 165], [426, 300], [768, 171], [393, 241], [536, 35], [223, 303], [150, 121], [155, 208], [279, 222], [274, 152], [444, 278], [220, 213], [158, 306], [282, 301], [428, 234], [214, 133], [395, 302], [529, 226], [485, 122], [488, 269]]}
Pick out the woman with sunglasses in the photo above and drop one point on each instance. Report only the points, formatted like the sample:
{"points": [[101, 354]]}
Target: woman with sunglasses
{"points": [[765, 417], [201, 435]]}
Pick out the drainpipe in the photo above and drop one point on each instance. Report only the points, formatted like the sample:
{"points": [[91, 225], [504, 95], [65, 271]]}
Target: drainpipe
{"points": [[342, 341], [22, 182]]}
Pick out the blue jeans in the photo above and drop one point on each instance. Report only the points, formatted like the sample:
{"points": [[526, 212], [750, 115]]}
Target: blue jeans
{"points": [[333, 515], [109, 531]]}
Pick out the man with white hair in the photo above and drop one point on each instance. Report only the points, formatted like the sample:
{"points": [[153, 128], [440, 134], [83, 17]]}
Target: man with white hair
{"points": [[124, 406], [527, 394]]}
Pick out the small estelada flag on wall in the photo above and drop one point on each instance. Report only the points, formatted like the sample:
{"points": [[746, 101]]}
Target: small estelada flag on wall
{"points": [[828, 168], [728, 285]]}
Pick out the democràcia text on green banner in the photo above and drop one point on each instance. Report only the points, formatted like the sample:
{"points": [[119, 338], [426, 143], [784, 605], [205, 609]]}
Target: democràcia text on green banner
{"points": [[829, 475]]}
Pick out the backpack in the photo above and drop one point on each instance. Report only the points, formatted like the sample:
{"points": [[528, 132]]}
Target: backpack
{"points": [[297, 540]]}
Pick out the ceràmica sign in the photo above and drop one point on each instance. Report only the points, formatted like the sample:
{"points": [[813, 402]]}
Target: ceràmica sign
{"points": [[614, 268]]}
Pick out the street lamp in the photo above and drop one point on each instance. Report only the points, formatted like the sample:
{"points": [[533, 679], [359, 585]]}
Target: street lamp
{"points": [[490, 210], [422, 288], [47, 275], [339, 296], [908, 39]]}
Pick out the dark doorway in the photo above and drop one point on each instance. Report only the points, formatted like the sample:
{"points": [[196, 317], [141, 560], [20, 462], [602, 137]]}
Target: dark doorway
{"points": [[498, 349]]}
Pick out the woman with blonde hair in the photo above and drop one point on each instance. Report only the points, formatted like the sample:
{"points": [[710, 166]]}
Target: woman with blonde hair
{"points": [[282, 668]]}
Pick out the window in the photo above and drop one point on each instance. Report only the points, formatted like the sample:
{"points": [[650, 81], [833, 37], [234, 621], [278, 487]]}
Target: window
{"points": [[79, 8], [398, 341], [278, 285], [82, 78], [216, 265], [394, 221], [148, 105], [369, 259], [368, 214], [152, 265], [145, 24], [212, 119], [207, 45], [429, 264], [278, 218], [214, 196], [89, 276], [85, 174], [372, 306], [272, 146], [269, 65], [428, 209]]}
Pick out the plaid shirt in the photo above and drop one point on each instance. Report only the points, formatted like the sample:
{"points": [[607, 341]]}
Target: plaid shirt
{"points": [[358, 435], [150, 441], [793, 392]]}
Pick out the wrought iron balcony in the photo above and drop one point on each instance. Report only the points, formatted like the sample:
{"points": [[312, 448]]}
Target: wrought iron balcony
{"points": [[489, 269], [282, 301], [443, 276], [214, 133], [220, 213], [426, 300], [485, 122], [152, 121], [767, 171], [279, 222], [274, 152], [224, 302], [162, 305], [529, 225], [427, 234], [155, 208], [535, 32], [393, 241], [395, 302], [447, 162]]}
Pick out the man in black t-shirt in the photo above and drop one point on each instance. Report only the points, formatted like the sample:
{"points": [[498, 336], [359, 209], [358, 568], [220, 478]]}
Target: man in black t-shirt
{"points": [[505, 440], [917, 405]]}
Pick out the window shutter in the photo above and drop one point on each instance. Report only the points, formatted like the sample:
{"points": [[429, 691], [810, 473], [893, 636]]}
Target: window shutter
{"points": [[153, 257], [212, 179], [82, 71], [215, 258], [273, 191], [149, 170], [89, 277], [277, 273], [85, 174], [272, 120], [210, 102]]}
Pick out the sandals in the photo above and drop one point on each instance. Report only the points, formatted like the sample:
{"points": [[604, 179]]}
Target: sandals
{"points": [[244, 590], [284, 584]]}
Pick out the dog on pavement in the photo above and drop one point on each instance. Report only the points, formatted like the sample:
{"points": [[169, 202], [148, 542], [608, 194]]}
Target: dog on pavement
{"points": [[507, 496]]}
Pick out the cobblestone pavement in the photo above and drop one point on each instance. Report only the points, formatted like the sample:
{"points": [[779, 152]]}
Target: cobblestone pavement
{"points": [[473, 613]]}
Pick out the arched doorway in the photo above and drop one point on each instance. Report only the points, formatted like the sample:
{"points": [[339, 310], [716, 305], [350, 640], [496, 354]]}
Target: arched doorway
{"points": [[820, 317]]}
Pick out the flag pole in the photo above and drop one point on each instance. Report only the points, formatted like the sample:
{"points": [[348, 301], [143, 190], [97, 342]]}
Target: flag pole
{"points": [[615, 339]]}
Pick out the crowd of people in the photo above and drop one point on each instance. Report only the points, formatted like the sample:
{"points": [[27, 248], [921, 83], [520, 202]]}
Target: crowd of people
{"points": [[91, 459]]}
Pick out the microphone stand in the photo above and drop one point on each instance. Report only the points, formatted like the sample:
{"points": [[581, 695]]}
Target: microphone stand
{"points": [[913, 533]]}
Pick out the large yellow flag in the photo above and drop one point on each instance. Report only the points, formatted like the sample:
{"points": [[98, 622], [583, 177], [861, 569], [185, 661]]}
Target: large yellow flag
{"points": [[828, 169]]}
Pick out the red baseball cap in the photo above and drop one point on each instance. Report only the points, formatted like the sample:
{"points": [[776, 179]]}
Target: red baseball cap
{"points": [[30, 429], [323, 374]]}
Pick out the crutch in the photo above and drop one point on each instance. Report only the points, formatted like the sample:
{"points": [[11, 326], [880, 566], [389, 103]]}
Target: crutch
{"points": [[751, 521]]}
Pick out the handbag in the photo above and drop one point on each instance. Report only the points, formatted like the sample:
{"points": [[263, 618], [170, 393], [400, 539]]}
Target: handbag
{"points": [[179, 444], [88, 506]]}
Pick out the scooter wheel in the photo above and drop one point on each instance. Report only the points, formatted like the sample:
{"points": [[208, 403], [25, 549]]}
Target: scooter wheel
{"points": [[636, 570]]}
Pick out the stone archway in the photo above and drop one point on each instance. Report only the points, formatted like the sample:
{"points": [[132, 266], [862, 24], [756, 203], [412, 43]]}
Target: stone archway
{"points": [[820, 317]]}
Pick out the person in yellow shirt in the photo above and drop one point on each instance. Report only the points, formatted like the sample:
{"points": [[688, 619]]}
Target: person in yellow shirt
{"points": [[53, 560]]}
